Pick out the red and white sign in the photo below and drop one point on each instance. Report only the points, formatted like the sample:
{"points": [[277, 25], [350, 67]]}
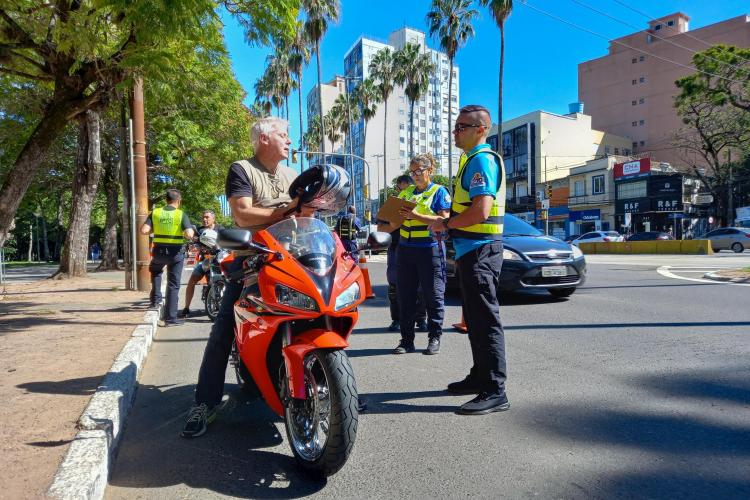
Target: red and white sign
{"points": [[633, 168]]}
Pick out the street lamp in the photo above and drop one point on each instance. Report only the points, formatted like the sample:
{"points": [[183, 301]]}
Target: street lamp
{"points": [[37, 215]]}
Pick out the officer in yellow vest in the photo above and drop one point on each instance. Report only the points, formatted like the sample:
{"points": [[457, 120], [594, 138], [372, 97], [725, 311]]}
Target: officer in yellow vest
{"points": [[476, 229], [420, 256], [171, 227]]}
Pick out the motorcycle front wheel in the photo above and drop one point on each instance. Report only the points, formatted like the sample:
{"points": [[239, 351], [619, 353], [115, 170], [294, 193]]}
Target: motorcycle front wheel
{"points": [[323, 427], [213, 299]]}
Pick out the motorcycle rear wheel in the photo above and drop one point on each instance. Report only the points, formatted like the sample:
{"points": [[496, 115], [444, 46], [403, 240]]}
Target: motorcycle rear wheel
{"points": [[213, 299], [323, 427]]}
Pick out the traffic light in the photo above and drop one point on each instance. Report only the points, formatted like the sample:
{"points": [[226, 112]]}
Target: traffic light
{"points": [[543, 214], [548, 191], [294, 156]]}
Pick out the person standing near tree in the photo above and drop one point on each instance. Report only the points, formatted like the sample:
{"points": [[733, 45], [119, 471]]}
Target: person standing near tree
{"points": [[476, 228], [171, 227]]}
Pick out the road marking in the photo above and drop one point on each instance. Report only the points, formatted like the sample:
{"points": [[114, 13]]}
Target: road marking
{"points": [[665, 271]]}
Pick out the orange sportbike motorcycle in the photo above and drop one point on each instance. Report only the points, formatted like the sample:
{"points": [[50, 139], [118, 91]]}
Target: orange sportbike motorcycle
{"points": [[292, 321]]}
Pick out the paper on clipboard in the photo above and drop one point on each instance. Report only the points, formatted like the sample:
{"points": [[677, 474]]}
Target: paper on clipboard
{"points": [[390, 211]]}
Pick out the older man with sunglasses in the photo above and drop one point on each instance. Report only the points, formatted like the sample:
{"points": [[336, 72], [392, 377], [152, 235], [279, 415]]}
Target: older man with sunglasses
{"points": [[476, 228]]}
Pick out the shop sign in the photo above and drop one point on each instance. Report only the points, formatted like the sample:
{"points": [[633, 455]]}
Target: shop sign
{"points": [[664, 185], [630, 169], [702, 199], [667, 205], [634, 206], [585, 215]]}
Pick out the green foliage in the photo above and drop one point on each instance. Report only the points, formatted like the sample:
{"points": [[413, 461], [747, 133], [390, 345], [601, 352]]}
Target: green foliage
{"points": [[451, 21], [413, 70]]}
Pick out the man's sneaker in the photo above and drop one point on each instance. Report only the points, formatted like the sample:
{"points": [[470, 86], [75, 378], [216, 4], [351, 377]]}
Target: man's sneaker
{"points": [[198, 419], [433, 346], [420, 326], [485, 402], [395, 327], [185, 313], [465, 386], [174, 322], [404, 347]]}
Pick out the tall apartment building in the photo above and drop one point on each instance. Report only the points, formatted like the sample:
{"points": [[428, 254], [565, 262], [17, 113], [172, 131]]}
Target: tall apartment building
{"points": [[330, 92], [431, 130], [630, 91]]}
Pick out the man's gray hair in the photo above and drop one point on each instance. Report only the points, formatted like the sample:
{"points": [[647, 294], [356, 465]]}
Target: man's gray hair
{"points": [[265, 126]]}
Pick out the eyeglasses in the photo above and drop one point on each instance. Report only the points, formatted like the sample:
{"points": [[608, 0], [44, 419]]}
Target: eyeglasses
{"points": [[417, 172], [460, 127]]}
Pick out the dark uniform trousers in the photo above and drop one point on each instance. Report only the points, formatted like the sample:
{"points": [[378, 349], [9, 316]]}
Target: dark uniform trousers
{"points": [[391, 272], [425, 267], [479, 277], [210, 388], [173, 257]]}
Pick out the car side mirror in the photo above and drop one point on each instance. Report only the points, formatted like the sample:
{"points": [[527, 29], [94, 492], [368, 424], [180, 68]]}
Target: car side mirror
{"points": [[377, 240]]}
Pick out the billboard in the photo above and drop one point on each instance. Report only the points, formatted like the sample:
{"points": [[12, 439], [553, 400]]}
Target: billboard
{"points": [[633, 169]]}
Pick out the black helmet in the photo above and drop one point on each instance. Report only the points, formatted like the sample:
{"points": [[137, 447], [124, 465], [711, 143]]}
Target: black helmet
{"points": [[323, 187]]}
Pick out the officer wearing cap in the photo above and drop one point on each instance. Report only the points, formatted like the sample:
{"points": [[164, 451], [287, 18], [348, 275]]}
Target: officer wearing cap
{"points": [[171, 227]]}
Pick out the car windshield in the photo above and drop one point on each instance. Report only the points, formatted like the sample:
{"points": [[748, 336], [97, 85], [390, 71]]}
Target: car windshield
{"points": [[308, 240], [513, 226]]}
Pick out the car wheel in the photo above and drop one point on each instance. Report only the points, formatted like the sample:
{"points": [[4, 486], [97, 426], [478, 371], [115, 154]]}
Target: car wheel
{"points": [[561, 292], [737, 247]]}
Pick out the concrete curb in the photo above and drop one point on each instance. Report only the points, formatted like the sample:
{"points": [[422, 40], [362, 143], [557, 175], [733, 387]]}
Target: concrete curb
{"points": [[726, 279], [85, 469]]}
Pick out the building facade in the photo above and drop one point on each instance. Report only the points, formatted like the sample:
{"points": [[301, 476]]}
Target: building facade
{"points": [[330, 92], [591, 202], [431, 112], [630, 91]]}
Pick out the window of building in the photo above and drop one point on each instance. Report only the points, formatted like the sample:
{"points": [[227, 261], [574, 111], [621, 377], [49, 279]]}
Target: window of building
{"points": [[579, 189], [634, 124], [401, 126], [401, 140], [421, 110], [670, 23], [643, 143], [626, 151], [635, 144], [631, 190], [642, 79], [422, 123], [649, 39], [641, 58], [401, 111], [607, 150], [597, 184], [657, 27], [617, 151], [634, 60], [641, 122], [633, 103], [635, 81], [423, 137]]}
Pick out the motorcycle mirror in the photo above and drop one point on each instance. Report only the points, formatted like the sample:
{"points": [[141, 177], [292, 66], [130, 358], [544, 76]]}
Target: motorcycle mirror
{"points": [[377, 240], [234, 239]]}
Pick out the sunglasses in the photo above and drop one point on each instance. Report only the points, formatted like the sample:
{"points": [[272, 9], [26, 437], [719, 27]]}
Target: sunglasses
{"points": [[460, 127]]}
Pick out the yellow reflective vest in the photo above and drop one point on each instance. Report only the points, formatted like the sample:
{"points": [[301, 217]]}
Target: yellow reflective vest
{"points": [[492, 227], [414, 231], [167, 226]]}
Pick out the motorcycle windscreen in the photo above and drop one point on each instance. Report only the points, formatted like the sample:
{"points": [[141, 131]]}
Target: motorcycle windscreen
{"points": [[309, 241]]}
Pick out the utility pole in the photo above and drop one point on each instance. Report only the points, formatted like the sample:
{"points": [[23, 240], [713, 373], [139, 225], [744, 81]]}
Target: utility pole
{"points": [[730, 192], [141, 185]]}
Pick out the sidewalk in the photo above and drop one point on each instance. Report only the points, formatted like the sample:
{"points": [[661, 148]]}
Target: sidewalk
{"points": [[57, 341]]}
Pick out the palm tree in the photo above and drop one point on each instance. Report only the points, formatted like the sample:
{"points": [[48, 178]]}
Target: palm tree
{"points": [[451, 21], [383, 72], [332, 125], [314, 135], [319, 14], [413, 70], [263, 91], [299, 57], [367, 96], [282, 82], [500, 10]]}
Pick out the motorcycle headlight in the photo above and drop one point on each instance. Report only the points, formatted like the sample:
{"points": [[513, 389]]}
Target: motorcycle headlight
{"points": [[348, 297], [292, 298], [510, 255], [577, 252]]}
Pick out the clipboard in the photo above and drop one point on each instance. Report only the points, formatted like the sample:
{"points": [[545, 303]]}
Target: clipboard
{"points": [[391, 208]]}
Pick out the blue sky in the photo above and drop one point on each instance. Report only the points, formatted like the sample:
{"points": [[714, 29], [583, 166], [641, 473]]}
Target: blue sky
{"points": [[541, 53]]}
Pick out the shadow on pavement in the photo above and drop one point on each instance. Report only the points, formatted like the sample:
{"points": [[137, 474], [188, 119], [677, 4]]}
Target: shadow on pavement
{"points": [[229, 459], [389, 402], [76, 386]]}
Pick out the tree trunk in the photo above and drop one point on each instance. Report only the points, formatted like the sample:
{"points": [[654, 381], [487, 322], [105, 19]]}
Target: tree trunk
{"points": [[109, 247], [320, 103], [85, 182], [385, 149], [301, 130], [500, 89], [411, 128], [450, 139], [33, 154], [59, 229], [46, 243]]}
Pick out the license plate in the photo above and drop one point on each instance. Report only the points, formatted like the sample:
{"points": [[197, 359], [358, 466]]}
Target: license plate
{"points": [[552, 271]]}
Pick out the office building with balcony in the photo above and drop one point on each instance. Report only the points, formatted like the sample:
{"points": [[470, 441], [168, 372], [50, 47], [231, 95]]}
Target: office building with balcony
{"points": [[539, 149], [330, 92], [630, 91], [591, 203], [431, 112]]}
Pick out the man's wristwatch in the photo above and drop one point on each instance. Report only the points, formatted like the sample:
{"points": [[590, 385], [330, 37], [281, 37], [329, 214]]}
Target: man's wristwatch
{"points": [[445, 222]]}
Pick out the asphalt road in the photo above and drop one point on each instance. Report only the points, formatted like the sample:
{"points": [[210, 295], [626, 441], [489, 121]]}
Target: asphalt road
{"points": [[638, 386]]}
